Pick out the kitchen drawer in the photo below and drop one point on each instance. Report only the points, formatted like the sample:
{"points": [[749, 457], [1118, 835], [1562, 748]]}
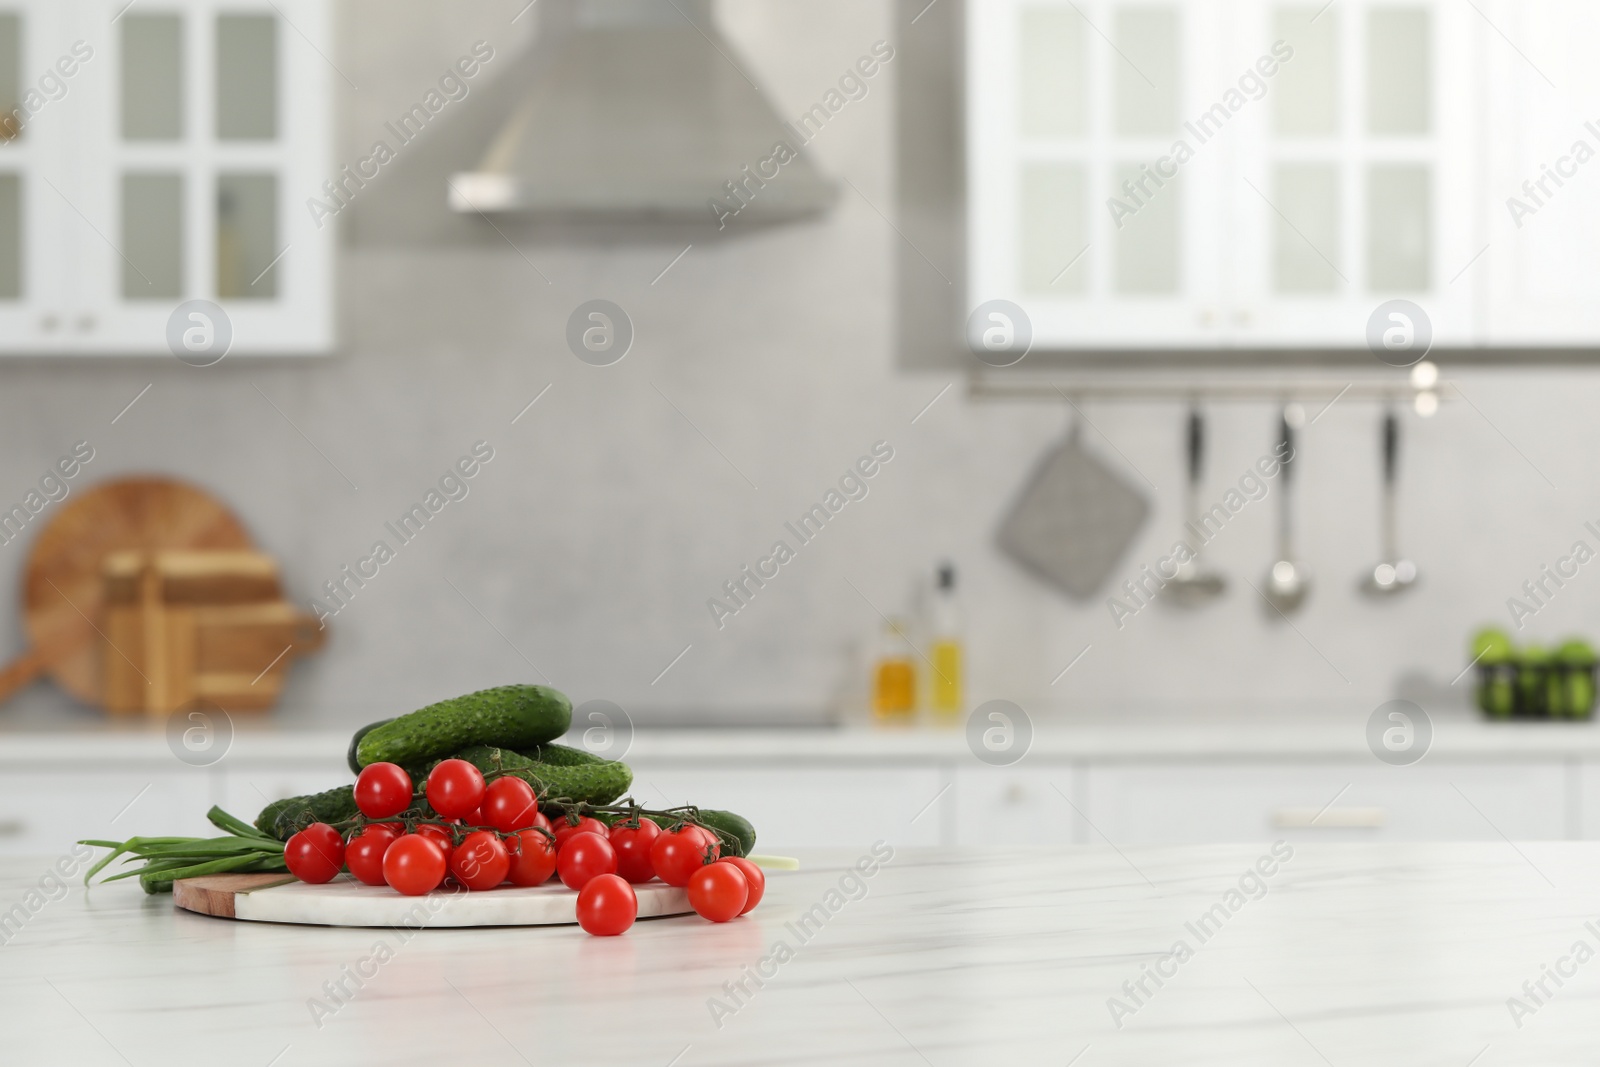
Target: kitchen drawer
{"points": [[42, 813], [1186, 803], [808, 806], [1023, 805]]}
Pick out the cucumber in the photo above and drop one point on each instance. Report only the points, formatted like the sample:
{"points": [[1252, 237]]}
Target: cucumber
{"points": [[738, 836], [350, 756], [595, 781], [512, 716], [283, 818], [563, 756]]}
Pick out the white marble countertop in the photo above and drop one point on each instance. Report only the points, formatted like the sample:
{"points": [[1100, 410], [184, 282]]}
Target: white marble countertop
{"points": [[1343, 954], [1103, 736]]}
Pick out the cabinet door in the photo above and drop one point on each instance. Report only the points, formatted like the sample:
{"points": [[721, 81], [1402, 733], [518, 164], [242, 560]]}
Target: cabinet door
{"points": [[1540, 274], [1080, 210], [34, 38], [1357, 178], [196, 135], [1178, 803], [810, 806], [1033, 804], [43, 812]]}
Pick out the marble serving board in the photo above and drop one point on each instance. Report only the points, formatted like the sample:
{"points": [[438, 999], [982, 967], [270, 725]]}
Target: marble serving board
{"points": [[278, 898]]}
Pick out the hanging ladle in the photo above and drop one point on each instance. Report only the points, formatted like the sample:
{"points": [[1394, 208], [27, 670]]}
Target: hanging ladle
{"points": [[1193, 586], [1393, 574], [1288, 582]]}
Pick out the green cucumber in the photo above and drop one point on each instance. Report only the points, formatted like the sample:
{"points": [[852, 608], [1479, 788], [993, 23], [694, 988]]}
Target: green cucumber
{"points": [[598, 782], [350, 755], [563, 756], [512, 716], [283, 818], [738, 836]]}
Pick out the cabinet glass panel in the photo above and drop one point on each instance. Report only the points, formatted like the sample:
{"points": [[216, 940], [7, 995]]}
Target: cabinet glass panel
{"points": [[1399, 227], [1305, 100], [1305, 243], [11, 124], [1054, 92], [10, 236], [1145, 73], [1145, 244], [247, 236], [1054, 227], [152, 236], [1399, 71], [247, 77], [152, 77]]}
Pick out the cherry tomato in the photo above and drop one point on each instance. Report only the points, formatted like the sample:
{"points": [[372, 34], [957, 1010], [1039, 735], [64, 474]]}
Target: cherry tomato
{"points": [[315, 854], [607, 905], [584, 856], [414, 865], [585, 825], [510, 805], [455, 788], [481, 861], [633, 849], [395, 828], [677, 854], [476, 818], [533, 858], [718, 891], [754, 876], [382, 790], [439, 835], [364, 853]]}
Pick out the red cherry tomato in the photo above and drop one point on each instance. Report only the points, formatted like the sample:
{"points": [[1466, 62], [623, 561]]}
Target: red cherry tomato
{"points": [[718, 891], [476, 818], [455, 788], [584, 856], [633, 849], [533, 858], [414, 865], [439, 835], [509, 805], [364, 852], [677, 854], [315, 854], [395, 828], [481, 861], [607, 905], [382, 790], [585, 825], [754, 876]]}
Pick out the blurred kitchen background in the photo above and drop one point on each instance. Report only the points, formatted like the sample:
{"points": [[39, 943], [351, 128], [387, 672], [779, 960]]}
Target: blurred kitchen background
{"points": [[771, 354]]}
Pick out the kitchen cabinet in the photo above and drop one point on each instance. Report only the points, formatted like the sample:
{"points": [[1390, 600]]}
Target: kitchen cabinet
{"points": [[1190, 803], [793, 806], [44, 812], [1022, 805], [153, 156], [1264, 174]]}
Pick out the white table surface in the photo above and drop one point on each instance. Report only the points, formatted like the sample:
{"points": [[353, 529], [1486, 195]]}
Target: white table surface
{"points": [[1354, 954]]}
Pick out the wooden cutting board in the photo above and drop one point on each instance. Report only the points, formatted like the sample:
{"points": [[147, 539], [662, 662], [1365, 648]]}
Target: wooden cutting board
{"points": [[62, 585], [278, 898]]}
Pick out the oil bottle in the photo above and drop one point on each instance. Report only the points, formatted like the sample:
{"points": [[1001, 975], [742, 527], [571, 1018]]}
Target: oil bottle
{"points": [[894, 675], [946, 653]]}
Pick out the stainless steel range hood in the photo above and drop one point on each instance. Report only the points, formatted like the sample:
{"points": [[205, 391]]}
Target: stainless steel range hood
{"points": [[640, 110]]}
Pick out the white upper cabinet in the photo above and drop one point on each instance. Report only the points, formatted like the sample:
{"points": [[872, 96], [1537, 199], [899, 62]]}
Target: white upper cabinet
{"points": [[1208, 174], [159, 153]]}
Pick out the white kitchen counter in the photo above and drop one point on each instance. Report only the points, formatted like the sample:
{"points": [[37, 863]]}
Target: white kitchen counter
{"points": [[1098, 736], [1353, 954]]}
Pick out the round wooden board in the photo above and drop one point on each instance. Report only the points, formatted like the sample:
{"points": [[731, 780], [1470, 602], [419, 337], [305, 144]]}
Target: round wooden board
{"points": [[61, 585], [346, 902]]}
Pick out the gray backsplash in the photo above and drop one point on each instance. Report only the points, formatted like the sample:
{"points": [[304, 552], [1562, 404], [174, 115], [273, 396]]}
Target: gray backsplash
{"points": [[586, 550]]}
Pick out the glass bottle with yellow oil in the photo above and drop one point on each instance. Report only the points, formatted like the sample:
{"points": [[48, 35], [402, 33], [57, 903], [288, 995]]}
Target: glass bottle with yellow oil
{"points": [[894, 675], [946, 650]]}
